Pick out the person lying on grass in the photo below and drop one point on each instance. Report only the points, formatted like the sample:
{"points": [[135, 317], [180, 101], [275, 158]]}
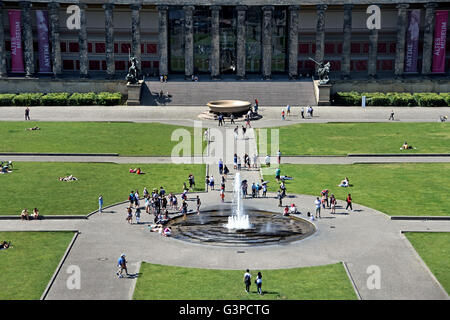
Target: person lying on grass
{"points": [[33, 128], [68, 178], [136, 170], [5, 245]]}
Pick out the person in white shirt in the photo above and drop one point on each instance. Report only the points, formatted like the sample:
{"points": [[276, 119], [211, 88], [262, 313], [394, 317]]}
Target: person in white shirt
{"points": [[255, 160], [317, 203], [267, 160], [247, 280]]}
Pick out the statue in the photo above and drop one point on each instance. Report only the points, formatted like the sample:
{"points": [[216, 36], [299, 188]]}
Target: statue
{"points": [[133, 71], [322, 71]]}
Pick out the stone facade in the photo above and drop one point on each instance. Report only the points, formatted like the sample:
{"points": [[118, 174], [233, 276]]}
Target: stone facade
{"points": [[291, 33]]}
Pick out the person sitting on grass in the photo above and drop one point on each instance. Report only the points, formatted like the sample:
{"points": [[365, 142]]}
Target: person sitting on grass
{"points": [[68, 178], [136, 170], [286, 211], [406, 146], [35, 214], [344, 183], [5, 245], [24, 214]]}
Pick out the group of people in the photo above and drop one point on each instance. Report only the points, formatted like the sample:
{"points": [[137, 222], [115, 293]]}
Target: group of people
{"points": [[136, 170], [24, 215], [248, 281], [330, 203]]}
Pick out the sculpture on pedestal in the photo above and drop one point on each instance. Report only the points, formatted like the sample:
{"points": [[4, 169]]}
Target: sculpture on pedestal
{"points": [[133, 71], [323, 71]]}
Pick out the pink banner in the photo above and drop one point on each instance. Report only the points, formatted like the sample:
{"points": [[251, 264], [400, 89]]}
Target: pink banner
{"points": [[44, 47], [440, 33], [15, 28], [412, 41]]}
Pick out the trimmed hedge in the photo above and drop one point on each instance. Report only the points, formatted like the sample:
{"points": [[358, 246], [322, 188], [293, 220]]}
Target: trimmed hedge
{"points": [[61, 99], [392, 99]]}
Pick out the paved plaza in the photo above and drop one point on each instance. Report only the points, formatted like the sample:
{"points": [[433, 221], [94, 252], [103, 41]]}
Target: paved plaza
{"points": [[363, 238]]}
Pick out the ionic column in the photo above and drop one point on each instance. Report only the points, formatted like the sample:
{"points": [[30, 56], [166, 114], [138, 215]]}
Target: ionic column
{"points": [[189, 41], [82, 39], [267, 42], [109, 40], [136, 32], [402, 20], [293, 41], [427, 53], [3, 72], [27, 34], [346, 43], [215, 42], [54, 38], [320, 33], [163, 47], [240, 42]]}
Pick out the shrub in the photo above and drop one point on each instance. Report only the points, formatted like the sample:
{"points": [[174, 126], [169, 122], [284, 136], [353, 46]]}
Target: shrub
{"points": [[27, 99], [109, 99], [429, 100], [6, 99], [55, 99], [82, 99], [347, 98], [402, 99], [446, 97]]}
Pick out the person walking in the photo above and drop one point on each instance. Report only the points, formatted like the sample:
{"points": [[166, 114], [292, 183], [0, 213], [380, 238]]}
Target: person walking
{"points": [[280, 198], [288, 110], [277, 174], [391, 117], [211, 182], [302, 112], [333, 203], [131, 198], [27, 114], [122, 264], [137, 214], [232, 118], [100, 203], [282, 114], [317, 203], [349, 202], [279, 156], [220, 166], [255, 161], [222, 195], [258, 282], [264, 189], [129, 215], [247, 280]]}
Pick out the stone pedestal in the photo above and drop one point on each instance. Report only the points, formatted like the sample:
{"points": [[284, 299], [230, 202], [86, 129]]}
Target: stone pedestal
{"points": [[134, 93], [323, 93]]}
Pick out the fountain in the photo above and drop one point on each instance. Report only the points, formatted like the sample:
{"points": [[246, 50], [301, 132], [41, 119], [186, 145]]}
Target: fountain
{"points": [[238, 219]]}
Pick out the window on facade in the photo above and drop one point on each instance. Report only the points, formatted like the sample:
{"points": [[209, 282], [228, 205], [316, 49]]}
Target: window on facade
{"points": [[94, 65], [176, 39], [152, 48], [100, 47], [74, 47]]}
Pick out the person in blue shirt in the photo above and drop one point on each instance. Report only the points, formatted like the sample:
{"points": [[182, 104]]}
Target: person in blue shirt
{"points": [[100, 203], [122, 264]]}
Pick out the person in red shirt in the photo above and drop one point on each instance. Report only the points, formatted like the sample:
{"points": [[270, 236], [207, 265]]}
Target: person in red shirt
{"points": [[349, 202]]}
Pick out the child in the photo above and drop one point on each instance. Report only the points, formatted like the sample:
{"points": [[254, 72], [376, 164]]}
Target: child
{"points": [[222, 195]]}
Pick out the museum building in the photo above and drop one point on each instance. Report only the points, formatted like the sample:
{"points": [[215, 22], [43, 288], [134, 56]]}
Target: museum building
{"points": [[223, 38]]}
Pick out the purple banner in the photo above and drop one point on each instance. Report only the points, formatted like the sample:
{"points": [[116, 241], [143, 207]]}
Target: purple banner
{"points": [[44, 47], [15, 30], [412, 41], [440, 34]]}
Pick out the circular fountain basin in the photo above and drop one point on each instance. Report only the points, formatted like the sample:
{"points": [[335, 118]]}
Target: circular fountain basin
{"points": [[228, 106], [266, 229]]}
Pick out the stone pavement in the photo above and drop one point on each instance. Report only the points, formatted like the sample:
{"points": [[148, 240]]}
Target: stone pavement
{"points": [[362, 238], [271, 115]]}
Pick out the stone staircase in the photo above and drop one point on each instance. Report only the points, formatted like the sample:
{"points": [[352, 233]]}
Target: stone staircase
{"points": [[268, 93]]}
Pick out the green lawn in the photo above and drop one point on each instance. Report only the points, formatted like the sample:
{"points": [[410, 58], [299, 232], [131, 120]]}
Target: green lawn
{"points": [[395, 189], [160, 282], [344, 138], [36, 184], [137, 139], [28, 266], [434, 248]]}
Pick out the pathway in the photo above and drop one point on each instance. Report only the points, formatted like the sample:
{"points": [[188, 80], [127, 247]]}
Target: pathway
{"points": [[362, 238]]}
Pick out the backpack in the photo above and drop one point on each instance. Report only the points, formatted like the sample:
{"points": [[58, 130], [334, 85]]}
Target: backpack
{"points": [[247, 278]]}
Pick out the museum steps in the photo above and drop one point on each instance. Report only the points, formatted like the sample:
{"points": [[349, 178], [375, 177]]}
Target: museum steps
{"points": [[268, 93]]}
